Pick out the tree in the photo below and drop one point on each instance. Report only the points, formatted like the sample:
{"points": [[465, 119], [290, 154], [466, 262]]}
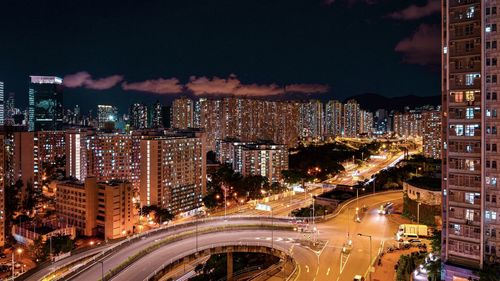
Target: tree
{"points": [[434, 270], [436, 242], [489, 273], [163, 215], [29, 198], [209, 201], [60, 244], [293, 176]]}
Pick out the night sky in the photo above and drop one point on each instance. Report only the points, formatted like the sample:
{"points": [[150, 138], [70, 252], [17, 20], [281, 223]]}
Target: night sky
{"points": [[119, 52]]}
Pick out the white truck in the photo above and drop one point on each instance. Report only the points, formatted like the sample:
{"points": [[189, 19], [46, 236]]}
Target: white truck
{"points": [[409, 231]]}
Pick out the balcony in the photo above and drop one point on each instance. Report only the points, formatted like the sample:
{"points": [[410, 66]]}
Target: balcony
{"points": [[458, 3], [460, 85]]}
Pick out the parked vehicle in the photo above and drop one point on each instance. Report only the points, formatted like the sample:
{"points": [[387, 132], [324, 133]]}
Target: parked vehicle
{"points": [[411, 231]]}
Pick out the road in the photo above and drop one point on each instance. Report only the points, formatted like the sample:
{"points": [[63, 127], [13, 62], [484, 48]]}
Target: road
{"points": [[333, 231], [283, 204]]}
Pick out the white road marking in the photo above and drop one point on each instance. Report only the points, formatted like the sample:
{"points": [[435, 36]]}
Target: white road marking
{"points": [[328, 272]]}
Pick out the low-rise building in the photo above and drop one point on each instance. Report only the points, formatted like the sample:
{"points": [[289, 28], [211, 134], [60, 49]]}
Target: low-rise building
{"points": [[97, 208]]}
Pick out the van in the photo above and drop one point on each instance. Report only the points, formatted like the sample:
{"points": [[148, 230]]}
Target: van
{"points": [[359, 278]]}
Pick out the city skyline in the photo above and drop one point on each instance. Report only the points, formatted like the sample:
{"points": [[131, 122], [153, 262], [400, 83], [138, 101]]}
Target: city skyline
{"points": [[186, 47]]}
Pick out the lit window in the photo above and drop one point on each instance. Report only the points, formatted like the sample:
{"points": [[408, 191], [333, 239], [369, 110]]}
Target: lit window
{"points": [[469, 96], [469, 79], [469, 113], [459, 96], [470, 12], [469, 198], [469, 129], [469, 214], [459, 130]]}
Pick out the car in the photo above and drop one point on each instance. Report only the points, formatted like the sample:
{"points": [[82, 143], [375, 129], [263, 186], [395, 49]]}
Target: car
{"points": [[359, 278], [415, 241]]}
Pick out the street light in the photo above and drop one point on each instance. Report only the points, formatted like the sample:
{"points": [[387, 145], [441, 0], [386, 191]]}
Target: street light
{"points": [[102, 270], [370, 265], [418, 212]]}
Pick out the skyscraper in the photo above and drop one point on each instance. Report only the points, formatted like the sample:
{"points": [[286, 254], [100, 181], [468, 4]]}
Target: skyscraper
{"points": [[431, 133], [470, 159], [173, 172], [105, 114], [45, 104], [10, 110], [156, 115], [138, 116], [333, 118], [2, 106], [183, 113], [351, 119]]}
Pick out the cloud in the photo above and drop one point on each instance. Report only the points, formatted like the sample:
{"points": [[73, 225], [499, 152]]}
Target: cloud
{"points": [[416, 12], [158, 86], [233, 86], [423, 47], [307, 88], [84, 79], [203, 85]]}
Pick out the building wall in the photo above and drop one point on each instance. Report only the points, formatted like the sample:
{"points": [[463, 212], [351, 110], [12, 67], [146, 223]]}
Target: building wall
{"points": [[467, 238], [2, 190], [183, 113], [431, 134], [116, 214], [173, 172], [264, 160], [76, 204], [426, 196]]}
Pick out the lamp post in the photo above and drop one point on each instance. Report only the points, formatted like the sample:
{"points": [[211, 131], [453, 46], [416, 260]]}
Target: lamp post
{"points": [[370, 265], [102, 270], [418, 212]]}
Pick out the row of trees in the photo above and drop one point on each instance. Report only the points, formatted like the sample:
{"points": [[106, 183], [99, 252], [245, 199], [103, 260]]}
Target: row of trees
{"points": [[237, 186]]}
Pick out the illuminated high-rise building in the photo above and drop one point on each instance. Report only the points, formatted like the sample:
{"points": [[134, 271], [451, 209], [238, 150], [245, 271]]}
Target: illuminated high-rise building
{"points": [[365, 122], [106, 114], [173, 171], [254, 158], [45, 103], [311, 119], [431, 133], [471, 223], [138, 116], [2, 190], [2, 105], [156, 120], [352, 115], [183, 113], [333, 118]]}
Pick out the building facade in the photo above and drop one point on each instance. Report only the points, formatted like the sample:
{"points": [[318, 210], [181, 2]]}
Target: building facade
{"points": [[45, 103], [333, 118], [106, 114], [138, 116], [97, 208], [351, 119], [431, 133], [470, 190], [183, 113], [173, 171]]}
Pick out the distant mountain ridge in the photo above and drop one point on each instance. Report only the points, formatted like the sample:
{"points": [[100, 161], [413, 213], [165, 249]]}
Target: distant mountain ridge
{"points": [[372, 102]]}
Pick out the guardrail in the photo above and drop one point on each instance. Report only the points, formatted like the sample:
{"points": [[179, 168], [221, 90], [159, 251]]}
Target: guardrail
{"points": [[167, 228], [268, 245]]}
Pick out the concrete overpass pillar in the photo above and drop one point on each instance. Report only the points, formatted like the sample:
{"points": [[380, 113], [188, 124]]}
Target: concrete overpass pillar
{"points": [[229, 266]]}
